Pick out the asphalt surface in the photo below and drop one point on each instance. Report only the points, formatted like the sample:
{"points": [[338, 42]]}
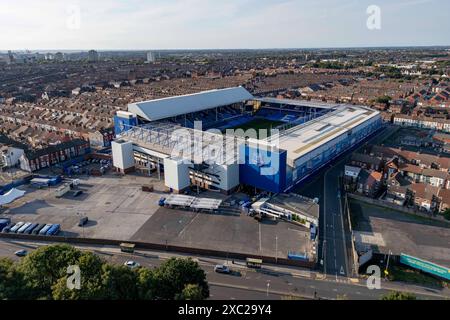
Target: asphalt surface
{"points": [[249, 284], [335, 256], [325, 185]]}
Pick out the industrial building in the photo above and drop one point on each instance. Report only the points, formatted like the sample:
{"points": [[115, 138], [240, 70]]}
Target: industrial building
{"points": [[163, 137]]}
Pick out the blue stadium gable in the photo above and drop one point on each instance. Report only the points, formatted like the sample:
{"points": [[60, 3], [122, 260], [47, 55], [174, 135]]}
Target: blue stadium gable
{"points": [[123, 124], [264, 170]]}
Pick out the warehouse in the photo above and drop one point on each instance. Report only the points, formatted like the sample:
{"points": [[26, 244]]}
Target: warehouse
{"points": [[181, 139]]}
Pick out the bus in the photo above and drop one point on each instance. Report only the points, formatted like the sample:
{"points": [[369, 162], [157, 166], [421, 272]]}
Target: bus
{"points": [[127, 247], [254, 263]]}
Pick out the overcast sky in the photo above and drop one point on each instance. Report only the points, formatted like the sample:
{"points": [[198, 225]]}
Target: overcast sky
{"points": [[201, 24]]}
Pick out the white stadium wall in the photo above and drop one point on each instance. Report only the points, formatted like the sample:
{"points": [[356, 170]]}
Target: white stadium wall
{"points": [[123, 157]]}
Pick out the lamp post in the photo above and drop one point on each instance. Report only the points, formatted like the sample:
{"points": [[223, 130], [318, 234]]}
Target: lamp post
{"points": [[386, 271], [82, 225], [276, 249]]}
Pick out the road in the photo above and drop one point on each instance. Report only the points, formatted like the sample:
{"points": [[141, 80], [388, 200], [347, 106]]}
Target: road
{"points": [[326, 187], [335, 256], [268, 283]]}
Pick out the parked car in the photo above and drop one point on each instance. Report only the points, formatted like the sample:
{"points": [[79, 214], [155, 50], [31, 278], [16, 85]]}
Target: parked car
{"points": [[24, 227], [21, 253], [16, 227], [7, 228], [53, 230], [83, 221], [30, 228], [220, 268], [132, 264], [38, 228], [4, 222], [45, 229]]}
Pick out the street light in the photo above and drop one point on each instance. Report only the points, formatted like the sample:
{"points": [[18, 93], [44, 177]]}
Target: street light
{"points": [[276, 249], [268, 285], [386, 271], [82, 225]]}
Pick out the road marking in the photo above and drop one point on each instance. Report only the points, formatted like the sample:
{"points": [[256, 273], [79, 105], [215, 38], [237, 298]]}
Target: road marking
{"points": [[343, 234]]}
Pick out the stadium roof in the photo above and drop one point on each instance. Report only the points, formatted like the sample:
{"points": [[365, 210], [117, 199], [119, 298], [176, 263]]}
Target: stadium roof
{"points": [[299, 103], [159, 109], [307, 137]]}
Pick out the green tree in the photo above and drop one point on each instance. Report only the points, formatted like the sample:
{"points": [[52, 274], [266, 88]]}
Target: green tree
{"points": [[45, 266], [447, 214], [383, 99], [192, 292], [174, 274], [146, 284], [43, 275], [91, 268], [12, 284], [120, 283], [397, 295]]}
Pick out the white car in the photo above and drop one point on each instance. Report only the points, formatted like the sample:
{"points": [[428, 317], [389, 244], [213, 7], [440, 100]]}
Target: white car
{"points": [[132, 264], [220, 268]]}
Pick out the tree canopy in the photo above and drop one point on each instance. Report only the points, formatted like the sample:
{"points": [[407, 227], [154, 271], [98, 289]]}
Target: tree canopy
{"points": [[396, 295], [43, 274]]}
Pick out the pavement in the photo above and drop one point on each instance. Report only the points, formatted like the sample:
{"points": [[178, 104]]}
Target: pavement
{"points": [[227, 233], [271, 282]]}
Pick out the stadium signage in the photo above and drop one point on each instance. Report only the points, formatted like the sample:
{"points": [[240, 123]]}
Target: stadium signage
{"points": [[425, 266]]}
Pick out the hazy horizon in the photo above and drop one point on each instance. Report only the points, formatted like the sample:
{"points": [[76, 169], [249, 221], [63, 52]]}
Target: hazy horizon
{"points": [[139, 25]]}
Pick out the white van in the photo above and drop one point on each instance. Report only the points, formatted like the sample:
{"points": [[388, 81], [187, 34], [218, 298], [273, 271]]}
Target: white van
{"points": [[16, 227], [24, 227]]}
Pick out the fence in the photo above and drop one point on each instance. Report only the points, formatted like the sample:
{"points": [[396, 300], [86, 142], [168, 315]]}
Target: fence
{"points": [[160, 247], [392, 206]]}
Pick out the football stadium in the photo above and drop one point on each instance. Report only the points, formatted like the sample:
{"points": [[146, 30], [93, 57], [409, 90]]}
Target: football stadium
{"points": [[224, 139]]}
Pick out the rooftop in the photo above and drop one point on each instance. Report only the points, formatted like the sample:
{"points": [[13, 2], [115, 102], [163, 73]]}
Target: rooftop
{"points": [[164, 108], [302, 139]]}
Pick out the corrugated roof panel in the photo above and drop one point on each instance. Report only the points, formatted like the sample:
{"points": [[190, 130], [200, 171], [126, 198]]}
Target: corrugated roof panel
{"points": [[159, 109]]}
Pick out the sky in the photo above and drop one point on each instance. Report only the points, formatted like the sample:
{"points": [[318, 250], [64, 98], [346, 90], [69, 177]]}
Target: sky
{"points": [[221, 24]]}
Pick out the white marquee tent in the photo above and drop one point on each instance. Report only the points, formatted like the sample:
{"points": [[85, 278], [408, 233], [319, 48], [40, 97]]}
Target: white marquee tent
{"points": [[10, 196]]}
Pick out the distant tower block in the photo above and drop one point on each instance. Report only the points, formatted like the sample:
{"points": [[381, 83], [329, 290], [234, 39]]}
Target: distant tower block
{"points": [[92, 56], [150, 57]]}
